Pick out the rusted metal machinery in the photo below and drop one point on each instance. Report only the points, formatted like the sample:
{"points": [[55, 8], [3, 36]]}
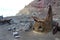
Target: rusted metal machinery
{"points": [[47, 24]]}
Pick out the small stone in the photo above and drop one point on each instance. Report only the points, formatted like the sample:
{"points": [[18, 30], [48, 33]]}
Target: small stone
{"points": [[17, 36], [15, 33], [9, 29]]}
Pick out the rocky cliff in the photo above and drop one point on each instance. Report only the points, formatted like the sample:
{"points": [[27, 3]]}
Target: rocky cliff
{"points": [[40, 7]]}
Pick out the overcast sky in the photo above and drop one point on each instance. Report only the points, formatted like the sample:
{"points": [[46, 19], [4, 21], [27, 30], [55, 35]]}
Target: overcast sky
{"points": [[11, 7]]}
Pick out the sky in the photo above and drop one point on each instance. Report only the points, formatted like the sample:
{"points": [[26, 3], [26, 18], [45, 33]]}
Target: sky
{"points": [[12, 7]]}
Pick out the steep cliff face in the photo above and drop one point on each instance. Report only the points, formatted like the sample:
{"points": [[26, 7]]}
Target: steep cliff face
{"points": [[38, 7]]}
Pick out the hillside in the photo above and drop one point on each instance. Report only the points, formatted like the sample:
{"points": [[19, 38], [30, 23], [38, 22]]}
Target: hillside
{"points": [[39, 7]]}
